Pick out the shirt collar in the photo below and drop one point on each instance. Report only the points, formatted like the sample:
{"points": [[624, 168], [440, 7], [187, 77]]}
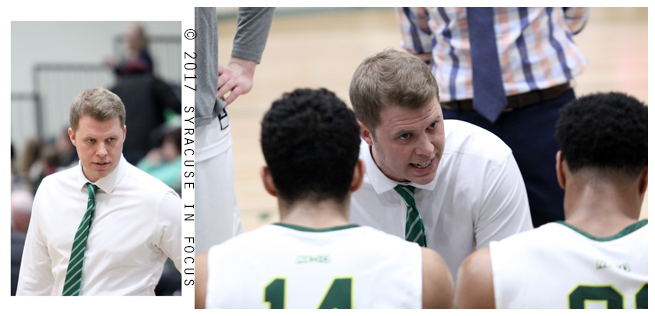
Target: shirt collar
{"points": [[106, 184], [379, 181]]}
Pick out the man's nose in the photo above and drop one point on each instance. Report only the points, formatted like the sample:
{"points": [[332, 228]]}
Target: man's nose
{"points": [[101, 150], [425, 146]]}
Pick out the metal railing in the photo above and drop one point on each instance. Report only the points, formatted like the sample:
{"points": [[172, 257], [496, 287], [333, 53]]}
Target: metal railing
{"points": [[44, 112]]}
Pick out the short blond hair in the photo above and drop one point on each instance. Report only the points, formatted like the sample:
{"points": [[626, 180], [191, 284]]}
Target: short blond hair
{"points": [[99, 103], [390, 78]]}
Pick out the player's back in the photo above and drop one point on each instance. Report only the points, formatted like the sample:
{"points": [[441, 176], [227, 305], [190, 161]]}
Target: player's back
{"points": [[284, 266], [558, 266]]}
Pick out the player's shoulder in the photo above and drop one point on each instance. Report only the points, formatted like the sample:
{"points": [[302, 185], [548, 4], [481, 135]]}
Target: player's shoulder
{"points": [[258, 237], [475, 288], [634, 230], [382, 244], [476, 262], [642, 226], [383, 237], [466, 138], [548, 236]]}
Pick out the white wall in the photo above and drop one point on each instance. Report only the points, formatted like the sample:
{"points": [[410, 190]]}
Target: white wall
{"points": [[84, 42], [93, 42]]}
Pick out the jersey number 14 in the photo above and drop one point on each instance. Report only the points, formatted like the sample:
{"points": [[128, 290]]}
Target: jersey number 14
{"points": [[338, 295]]}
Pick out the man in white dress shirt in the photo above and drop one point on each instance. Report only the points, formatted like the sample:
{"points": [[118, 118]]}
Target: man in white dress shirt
{"points": [[314, 258], [135, 225], [464, 181]]}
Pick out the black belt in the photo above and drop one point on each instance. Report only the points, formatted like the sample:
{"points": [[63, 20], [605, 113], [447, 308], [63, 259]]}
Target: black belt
{"points": [[517, 101]]}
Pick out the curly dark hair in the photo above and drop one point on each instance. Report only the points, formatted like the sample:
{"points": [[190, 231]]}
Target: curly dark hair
{"points": [[606, 131], [310, 140]]}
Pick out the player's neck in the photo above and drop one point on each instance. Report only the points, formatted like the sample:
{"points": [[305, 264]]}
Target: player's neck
{"points": [[325, 214], [601, 209]]}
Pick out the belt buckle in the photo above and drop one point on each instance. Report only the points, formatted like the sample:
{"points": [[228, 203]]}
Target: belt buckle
{"points": [[509, 107]]}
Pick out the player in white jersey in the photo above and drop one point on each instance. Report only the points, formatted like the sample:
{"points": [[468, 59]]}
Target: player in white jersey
{"points": [[314, 258], [597, 257]]}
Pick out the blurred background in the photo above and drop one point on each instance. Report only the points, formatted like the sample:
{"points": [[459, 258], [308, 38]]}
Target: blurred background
{"points": [[322, 47], [51, 63]]}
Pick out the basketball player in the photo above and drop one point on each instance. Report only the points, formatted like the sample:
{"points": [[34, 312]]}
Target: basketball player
{"points": [[597, 257], [314, 258]]}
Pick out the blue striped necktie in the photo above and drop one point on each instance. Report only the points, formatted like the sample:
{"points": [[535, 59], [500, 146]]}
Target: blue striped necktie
{"points": [[76, 262], [489, 97], [414, 229]]}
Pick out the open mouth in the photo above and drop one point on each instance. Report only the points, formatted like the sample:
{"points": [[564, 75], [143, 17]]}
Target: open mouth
{"points": [[422, 165]]}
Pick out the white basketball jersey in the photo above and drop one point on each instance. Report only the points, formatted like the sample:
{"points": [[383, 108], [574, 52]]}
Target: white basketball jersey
{"points": [[559, 266], [285, 266]]}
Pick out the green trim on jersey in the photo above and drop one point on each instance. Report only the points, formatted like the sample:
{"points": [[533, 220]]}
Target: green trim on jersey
{"points": [[622, 233], [314, 230]]}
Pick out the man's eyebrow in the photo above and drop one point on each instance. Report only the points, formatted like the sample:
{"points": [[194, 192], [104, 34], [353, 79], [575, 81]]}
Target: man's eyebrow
{"points": [[412, 129], [110, 136]]}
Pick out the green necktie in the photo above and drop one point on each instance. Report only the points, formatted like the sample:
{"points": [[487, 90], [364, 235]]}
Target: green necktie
{"points": [[74, 272], [414, 229]]}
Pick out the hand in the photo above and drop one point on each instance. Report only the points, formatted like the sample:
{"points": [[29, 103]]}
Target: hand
{"points": [[235, 78]]}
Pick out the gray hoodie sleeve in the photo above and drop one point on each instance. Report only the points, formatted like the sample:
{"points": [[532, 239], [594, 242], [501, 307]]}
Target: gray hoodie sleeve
{"points": [[253, 25], [206, 46]]}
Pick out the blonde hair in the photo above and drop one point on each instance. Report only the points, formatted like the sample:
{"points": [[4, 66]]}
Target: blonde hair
{"points": [[99, 103], [390, 78]]}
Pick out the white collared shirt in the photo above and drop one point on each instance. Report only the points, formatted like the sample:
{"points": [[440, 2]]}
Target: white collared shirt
{"points": [[137, 225], [477, 195]]}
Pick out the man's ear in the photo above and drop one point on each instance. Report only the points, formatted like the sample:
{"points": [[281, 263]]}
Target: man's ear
{"points": [[366, 133], [358, 176], [267, 179], [124, 132], [559, 169], [71, 135], [643, 181]]}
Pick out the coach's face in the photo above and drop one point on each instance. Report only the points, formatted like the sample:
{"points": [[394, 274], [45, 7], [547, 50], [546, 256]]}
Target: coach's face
{"points": [[99, 145], [408, 143]]}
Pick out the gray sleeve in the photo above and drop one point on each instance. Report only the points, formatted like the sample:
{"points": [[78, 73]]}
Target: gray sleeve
{"points": [[253, 25], [206, 46]]}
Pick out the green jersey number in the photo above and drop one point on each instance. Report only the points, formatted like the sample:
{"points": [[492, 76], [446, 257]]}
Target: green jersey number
{"points": [[338, 295], [607, 294]]}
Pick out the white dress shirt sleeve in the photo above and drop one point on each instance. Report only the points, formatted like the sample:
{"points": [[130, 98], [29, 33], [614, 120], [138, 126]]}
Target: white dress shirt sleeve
{"points": [[170, 230], [505, 210], [35, 277]]}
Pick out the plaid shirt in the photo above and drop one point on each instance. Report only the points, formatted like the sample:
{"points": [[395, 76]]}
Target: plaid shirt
{"points": [[535, 46]]}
